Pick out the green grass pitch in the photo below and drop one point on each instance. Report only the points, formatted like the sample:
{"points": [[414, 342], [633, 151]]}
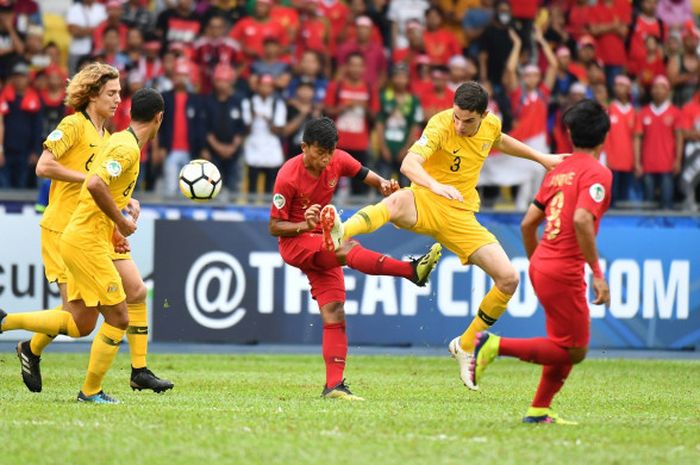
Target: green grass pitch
{"points": [[265, 409]]}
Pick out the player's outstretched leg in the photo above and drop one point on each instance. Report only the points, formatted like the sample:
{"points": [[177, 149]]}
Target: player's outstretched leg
{"points": [[332, 228]]}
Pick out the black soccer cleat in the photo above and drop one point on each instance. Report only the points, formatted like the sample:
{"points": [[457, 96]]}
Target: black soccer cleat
{"points": [[31, 371], [143, 378], [339, 391]]}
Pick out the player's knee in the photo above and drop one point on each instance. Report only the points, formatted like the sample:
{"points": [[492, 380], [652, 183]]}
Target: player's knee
{"points": [[117, 317], [509, 282], [136, 293], [333, 313], [344, 249], [395, 204], [578, 354]]}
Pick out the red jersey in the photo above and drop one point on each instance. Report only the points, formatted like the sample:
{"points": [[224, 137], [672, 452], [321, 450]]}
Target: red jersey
{"points": [[619, 143], [251, 34], [610, 47], [644, 27], [353, 130], [580, 181], [524, 9], [658, 126], [296, 189], [288, 17], [529, 112], [441, 45], [314, 35], [434, 103], [577, 25], [336, 12]]}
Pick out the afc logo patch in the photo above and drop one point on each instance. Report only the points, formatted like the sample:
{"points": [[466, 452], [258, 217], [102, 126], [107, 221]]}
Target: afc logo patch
{"points": [[112, 287]]}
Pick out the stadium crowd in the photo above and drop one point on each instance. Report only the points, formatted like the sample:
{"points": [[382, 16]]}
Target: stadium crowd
{"points": [[240, 79]]}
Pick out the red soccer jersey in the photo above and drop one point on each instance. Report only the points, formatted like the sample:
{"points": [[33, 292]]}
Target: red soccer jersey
{"points": [[296, 189], [580, 181], [658, 129], [643, 27], [314, 35], [610, 46], [288, 17], [529, 112], [353, 130], [441, 45], [619, 143], [433, 103], [578, 21], [251, 34]]}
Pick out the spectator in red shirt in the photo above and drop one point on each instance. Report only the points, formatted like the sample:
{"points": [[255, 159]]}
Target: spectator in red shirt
{"points": [[212, 48], [524, 12], [658, 144], [336, 12], [577, 24], [114, 16], [270, 64], [644, 24], [421, 84], [371, 51], [650, 66], [178, 24], [288, 17], [352, 102], [415, 51], [440, 42], [609, 23], [250, 32], [461, 70], [315, 32], [620, 141], [440, 97]]}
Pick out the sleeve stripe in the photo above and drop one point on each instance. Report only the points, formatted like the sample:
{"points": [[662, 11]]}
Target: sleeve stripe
{"points": [[362, 174], [538, 204]]}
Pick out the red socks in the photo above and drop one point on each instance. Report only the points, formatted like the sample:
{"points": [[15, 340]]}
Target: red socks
{"points": [[553, 377], [555, 360], [371, 262], [538, 350], [335, 349]]}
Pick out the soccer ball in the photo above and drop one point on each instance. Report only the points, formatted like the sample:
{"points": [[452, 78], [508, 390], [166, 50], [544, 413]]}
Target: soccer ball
{"points": [[200, 180]]}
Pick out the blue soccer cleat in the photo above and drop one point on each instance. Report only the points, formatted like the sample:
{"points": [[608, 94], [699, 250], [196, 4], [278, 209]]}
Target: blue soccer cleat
{"points": [[99, 398]]}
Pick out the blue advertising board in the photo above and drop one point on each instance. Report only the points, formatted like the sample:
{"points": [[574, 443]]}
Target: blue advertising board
{"points": [[225, 282]]}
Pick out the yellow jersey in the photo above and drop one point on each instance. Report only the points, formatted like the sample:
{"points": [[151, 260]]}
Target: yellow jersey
{"points": [[73, 143], [117, 164], [456, 160]]}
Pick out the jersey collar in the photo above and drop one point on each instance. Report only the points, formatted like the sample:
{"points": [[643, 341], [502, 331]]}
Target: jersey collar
{"points": [[131, 130]]}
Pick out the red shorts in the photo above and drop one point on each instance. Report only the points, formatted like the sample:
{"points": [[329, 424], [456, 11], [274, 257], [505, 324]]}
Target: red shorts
{"points": [[325, 274], [565, 305]]}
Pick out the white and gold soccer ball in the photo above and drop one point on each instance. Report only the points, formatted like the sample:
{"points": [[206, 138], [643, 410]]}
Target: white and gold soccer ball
{"points": [[200, 180]]}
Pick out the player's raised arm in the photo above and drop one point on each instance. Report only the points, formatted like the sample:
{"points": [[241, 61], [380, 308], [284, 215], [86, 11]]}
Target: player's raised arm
{"points": [[284, 228], [514, 147], [49, 167]]}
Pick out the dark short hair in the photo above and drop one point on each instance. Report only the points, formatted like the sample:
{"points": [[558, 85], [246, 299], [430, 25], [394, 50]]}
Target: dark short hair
{"points": [[321, 132], [471, 96], [352, 55], [588, 124], [146, 103]]}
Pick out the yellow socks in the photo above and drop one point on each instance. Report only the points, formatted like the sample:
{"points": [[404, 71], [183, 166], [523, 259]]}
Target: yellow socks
{"points": [[104, 349], [490, 310], [137, 334], [39, 342], [44, 322], [366, 220]]}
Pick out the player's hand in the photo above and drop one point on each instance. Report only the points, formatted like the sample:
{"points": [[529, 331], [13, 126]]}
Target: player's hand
{"points": [[388, 187], [127, 226], [601, 291], [312, 215], [133, 208], [447, 191], [551, 161], [120, 243]]}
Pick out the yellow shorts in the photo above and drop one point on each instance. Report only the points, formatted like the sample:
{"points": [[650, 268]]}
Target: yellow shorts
{"points": [[92, 276], [54, 268], [457, 230]]}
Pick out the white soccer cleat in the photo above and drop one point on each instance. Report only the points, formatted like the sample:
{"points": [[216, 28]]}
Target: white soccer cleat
{"points": [[332, 228], [464, 360]]}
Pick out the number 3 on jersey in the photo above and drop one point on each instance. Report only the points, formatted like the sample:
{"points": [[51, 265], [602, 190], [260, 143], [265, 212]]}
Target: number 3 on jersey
{"points": [[553, 219], [455, 165], [89, 162]]}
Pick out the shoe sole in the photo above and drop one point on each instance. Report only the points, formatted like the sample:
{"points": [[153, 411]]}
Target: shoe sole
{"points": [[21, 365], [327, 224], [453, 354], [156, 390]]}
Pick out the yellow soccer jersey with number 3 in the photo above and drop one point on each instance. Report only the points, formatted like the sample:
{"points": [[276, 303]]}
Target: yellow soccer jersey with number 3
{"points": [[73, 143], [456, 160], [117, 164]]}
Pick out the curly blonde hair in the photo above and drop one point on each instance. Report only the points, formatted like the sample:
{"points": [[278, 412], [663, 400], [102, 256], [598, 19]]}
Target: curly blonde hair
{"points": [[87, 83]]}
